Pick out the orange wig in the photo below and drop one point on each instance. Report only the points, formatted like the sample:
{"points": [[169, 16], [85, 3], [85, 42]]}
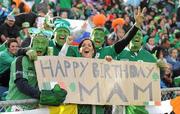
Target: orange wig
{"points": [[99, 20], [118, 21]]}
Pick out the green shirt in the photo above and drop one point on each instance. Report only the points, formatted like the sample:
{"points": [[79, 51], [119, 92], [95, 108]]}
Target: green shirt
{"points": [[22, 35], [101, 53], [56, 48], [28, 71], [142, 55], [6, 58], [3, 47], [106, 51], [73, 51]]}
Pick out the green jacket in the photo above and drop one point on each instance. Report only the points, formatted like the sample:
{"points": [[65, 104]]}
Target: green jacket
{"points": [[142, 55], [56, 48], [28, 71], [6, 58]]}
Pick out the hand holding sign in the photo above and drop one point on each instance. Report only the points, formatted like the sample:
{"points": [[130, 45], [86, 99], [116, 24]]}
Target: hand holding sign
{"points": [[53, 97]]}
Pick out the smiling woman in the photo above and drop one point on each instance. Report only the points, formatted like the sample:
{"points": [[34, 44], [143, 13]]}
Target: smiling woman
{"points": [[87, 48]]}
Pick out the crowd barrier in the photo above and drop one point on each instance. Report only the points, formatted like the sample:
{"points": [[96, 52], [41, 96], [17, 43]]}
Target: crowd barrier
{"points": [[166, 95]]}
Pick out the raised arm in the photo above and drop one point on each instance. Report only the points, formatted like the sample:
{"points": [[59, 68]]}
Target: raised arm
{"points": [[121, 44]]}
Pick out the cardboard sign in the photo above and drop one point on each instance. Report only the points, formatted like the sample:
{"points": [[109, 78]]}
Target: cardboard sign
{"points": [[98, 82]]}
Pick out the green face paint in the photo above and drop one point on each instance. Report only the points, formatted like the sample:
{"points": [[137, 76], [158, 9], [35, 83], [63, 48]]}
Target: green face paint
{"points": [[136, 43], [40, 45], [60, 36], [98, 37]]}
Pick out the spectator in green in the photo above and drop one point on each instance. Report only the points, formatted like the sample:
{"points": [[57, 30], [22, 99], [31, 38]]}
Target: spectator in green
{"points": [[24, 33], [61, 32], [6, 58], [23, 80]]}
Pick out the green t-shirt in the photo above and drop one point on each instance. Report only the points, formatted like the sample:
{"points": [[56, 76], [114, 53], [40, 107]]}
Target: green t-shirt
{"points": [[56, 48], [142, 55], [3, 47], [28, 73], [106, 51], [22, 35], [101, 53], [6, 58], [73, 51]]}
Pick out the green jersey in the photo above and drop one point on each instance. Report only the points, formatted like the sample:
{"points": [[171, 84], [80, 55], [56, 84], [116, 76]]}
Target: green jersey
{"points": [[28, 71], [56, 48], [142, 55], [106, 51], [73, 51], [22, 35], [6, 59], [101, 53]]}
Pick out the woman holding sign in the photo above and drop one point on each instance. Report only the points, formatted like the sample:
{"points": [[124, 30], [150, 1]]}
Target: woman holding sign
{"points": [[98, 37], [93, 49], [87, 49]]}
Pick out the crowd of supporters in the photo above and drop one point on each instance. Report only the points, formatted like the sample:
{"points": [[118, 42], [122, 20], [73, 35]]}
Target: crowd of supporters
{"points": [[160, 29]]}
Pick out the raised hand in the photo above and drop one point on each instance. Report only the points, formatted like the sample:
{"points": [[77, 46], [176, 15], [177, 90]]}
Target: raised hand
{"points": [[139, 17], [69, 40]]}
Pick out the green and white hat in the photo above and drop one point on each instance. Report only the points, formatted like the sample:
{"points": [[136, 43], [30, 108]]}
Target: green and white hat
{"points": [[60, 23]]}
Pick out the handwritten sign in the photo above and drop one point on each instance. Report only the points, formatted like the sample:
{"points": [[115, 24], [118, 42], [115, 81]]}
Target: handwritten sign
{"points": [[94, 81]]}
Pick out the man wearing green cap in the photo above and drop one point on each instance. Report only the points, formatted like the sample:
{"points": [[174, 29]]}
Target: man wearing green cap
{"points": [[61, 32], [23, 80], [24, 33]]}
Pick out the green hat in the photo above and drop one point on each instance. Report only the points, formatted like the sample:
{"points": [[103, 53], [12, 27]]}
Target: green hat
{"points": [[25, 25], [60, 23], [40, 33]]}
